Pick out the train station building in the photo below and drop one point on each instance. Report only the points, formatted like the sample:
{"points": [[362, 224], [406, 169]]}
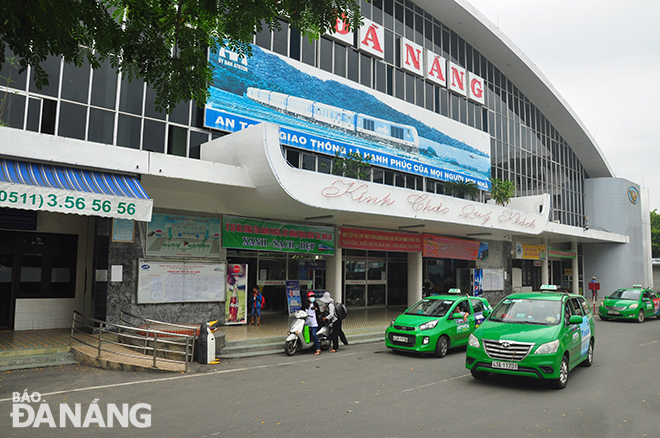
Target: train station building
{"points": [[336, 165]]}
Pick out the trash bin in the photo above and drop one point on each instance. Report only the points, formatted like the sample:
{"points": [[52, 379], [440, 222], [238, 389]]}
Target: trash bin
{"points": [[205, 344]]}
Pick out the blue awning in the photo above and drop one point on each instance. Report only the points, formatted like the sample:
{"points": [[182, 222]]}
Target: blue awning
{"points": [[47, 187]]}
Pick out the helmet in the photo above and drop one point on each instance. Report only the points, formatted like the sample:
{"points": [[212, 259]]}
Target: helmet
{"points": [[310, 294]]}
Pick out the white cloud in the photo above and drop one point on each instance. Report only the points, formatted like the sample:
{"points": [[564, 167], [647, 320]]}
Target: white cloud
{"points": [[604, 58]]}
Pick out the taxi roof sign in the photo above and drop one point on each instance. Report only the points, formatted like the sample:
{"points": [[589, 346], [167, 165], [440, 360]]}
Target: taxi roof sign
{"points": [[454, 291], [638, 286], [548, 287]]}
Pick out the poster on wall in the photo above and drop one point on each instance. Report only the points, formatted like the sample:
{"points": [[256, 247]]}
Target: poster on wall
{"points": [[478, 282], [493, 279], [183, 236], [162, 281], [328, 114], [530, 252], [293, 299], [254, 234], [452, 248], [236, 306]]}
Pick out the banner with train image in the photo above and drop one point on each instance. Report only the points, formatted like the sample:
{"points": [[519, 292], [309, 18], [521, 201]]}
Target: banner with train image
{"points": [[324, 113]]}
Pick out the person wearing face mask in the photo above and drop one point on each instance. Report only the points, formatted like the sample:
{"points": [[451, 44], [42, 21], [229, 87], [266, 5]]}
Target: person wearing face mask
{"points": [[313, 311]]}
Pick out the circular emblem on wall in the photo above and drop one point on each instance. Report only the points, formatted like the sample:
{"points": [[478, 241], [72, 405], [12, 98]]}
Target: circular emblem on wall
{"points": [[633, 194]]}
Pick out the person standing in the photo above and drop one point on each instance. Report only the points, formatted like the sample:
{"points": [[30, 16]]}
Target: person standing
{"points": [[335, 321], [593, 285], [312, 311], [257, 299]]}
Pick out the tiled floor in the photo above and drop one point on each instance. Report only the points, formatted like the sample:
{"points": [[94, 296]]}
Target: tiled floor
{"points": [[272, 325]]}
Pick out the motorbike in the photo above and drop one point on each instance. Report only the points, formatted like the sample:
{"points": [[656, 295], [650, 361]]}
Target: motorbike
{"points": [[295, 340]]}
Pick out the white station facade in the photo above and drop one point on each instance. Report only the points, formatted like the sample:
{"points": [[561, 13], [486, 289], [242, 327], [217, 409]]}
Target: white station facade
{"points": [[108, 205]]}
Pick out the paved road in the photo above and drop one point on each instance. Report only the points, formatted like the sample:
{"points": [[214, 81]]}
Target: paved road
{"points": [[361, 391]]}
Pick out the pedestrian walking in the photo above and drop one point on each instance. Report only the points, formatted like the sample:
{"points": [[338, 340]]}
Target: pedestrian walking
{"points": [[257, 301], [333, 318], [312, 311]]}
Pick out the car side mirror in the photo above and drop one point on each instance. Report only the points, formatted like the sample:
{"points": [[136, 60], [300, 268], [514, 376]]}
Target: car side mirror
{"points": [[486, 313], [456, 315], [575, 319]]}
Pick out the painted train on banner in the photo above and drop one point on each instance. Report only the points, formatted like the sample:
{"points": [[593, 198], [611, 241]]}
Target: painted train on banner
{"points": [[401, 136]]}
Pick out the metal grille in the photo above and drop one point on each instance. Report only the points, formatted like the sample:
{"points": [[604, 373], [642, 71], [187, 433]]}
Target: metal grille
{"points": [[618, 308], [507, 350], [404, 328]]}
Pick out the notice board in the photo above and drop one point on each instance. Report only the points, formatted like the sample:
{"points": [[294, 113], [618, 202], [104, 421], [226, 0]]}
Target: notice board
{"points": [[163, 281], [493, 279]]}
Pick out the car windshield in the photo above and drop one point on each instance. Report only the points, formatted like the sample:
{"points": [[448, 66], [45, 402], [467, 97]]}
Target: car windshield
{"points": [[430, 308], [526, 311], [626, 294]]}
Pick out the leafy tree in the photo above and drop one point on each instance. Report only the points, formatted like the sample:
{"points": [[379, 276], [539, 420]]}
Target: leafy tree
{"points": [[502, 191], [655, 234], [163, 42], [353, 165], [462, 189]]}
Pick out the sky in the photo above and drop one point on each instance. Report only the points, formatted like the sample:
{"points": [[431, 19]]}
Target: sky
{"points": [[603, 57]]}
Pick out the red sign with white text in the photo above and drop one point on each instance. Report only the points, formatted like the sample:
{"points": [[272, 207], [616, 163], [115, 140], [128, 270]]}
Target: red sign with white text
{"points": [[355, 238], [450, 248]]}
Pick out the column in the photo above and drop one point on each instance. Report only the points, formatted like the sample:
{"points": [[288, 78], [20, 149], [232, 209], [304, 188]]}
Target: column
{"points": [[544, 266], [333, 275], [415, 274], [576, 272]]}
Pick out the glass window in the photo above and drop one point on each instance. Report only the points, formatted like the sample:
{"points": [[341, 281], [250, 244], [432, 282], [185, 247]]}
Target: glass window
{"points": [[294, 44], [130, 99], [34, 114], [154, 136], [101, 126], [104, 86], [52, 68], [293, 158], [280, 39], [75, 82], [73, 120], [365, 70], [10, 72], [309, 162], [353, 65], [180, 113], [14, 111], [196, 139], [263, 37], [150, 105], [128, 131], [49, 110], [325, 165], [326, 55], [176, 140], [340, 60], [309, 52]]}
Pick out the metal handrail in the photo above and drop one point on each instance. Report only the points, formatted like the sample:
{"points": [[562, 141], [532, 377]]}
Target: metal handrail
{"points": [[134, 332]]}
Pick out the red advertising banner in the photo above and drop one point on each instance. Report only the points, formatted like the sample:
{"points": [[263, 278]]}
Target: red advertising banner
{"points": [[355, 238], [450, 248]]}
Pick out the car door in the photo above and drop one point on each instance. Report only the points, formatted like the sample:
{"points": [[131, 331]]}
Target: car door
{"points": [[465, 325], [477, 312], [647, 303], [573, 332]]}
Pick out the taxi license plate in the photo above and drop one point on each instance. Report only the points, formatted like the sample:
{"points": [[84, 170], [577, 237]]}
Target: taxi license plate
{"points": [[396, 338], [612, 312], [505, 365]]}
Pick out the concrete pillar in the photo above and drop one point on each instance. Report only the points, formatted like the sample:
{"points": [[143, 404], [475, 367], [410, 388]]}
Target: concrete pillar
{"points": [[415, 277], [545, 272], [333, 275], [576, 271]]}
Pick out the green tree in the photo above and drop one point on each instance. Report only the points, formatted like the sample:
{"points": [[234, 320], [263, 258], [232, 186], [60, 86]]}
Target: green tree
{"points": [[353, 165], [163, 42], [462, 189], [655, 234], [502, 191]]}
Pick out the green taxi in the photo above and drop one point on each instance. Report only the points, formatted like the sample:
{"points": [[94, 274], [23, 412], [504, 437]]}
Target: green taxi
{"points": [[437, 323], [633, 303], [542, 335]]}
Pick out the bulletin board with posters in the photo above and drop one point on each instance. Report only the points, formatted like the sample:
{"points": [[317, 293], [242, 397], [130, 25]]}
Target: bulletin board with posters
{"points": [[493, 279], [167, 281]]}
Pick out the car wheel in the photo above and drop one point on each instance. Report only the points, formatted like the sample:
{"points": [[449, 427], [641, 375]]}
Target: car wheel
{"points": [[561, 382], [604, 318], [442, 346], [640, 316], [590, 355], [479, 375], [290, 347]]}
